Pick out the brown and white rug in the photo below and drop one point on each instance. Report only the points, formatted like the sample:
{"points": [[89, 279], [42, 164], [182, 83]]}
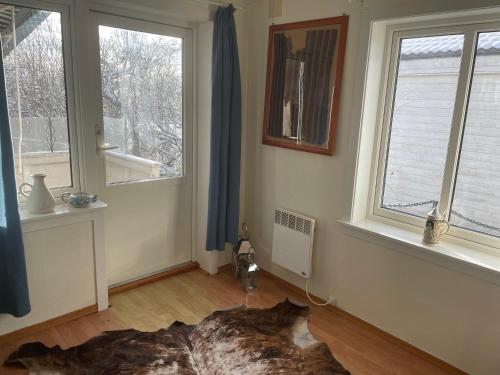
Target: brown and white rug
{"points": [[236, 341]]}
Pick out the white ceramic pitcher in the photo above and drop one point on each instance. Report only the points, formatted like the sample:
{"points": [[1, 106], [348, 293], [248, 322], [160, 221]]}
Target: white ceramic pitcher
{"points": [[40, 199]]}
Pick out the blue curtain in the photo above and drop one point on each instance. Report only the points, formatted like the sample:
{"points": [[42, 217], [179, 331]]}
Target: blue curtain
{"points": [[225, 146], [14, 298]]}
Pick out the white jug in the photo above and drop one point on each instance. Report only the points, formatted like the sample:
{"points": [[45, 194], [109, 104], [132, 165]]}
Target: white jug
{"points": [[40, 200]]}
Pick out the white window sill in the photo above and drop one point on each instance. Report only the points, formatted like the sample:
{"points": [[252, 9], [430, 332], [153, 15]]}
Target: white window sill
{"points": [[63, 213], [464, 256]]}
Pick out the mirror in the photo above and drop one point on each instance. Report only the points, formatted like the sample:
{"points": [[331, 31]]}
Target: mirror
{"points": [[304, 76]]}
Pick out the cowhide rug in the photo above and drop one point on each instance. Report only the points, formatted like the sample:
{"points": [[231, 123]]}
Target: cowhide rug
{"points": [[236, 341]]}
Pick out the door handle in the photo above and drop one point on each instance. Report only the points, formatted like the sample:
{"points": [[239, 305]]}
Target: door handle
{"points": [[106, 147], [99, 134]]}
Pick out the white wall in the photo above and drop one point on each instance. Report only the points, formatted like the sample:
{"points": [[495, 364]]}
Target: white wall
{"points": [[446, 313], [207, 260], [60, 268]]}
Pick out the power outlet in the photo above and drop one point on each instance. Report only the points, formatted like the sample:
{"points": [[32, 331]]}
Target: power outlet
{"points": [[332, 299]]}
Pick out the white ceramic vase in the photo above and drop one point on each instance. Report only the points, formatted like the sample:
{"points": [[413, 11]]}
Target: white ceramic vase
{"points": [[40, 199]]}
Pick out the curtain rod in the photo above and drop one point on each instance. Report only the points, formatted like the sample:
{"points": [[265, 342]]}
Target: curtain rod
{"points": [[220, 3]]}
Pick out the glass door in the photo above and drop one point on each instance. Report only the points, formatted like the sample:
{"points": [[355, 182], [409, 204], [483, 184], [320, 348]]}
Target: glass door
{"points": [[143, 139]]}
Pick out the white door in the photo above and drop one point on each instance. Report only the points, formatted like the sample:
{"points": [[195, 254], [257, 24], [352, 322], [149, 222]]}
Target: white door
{"points": [[144, 142]]}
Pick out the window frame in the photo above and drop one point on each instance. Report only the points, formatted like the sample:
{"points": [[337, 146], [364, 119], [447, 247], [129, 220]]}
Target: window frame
{"points": [[71, 85], [470, 28], [160, 28]]}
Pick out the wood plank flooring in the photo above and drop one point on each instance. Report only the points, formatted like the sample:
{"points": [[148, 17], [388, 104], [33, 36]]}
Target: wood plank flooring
{"points": [[191, 296]]}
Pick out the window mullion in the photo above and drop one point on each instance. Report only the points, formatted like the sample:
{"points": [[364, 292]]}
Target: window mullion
{"points": [[389, 92], [458, 121]]}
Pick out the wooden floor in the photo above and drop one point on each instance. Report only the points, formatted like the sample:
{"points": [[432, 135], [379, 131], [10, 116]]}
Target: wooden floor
{"points": [[191, 296]]}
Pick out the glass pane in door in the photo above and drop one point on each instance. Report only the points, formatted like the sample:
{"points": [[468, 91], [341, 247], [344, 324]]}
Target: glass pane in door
{"points": [[142, 87]]}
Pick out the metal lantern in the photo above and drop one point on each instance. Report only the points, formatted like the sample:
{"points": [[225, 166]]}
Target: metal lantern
{"points": [[244, 266], [237, 256], [249, 273]]}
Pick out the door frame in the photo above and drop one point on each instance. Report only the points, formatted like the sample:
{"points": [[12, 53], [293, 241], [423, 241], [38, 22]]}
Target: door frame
{"points": [[96, 176]]}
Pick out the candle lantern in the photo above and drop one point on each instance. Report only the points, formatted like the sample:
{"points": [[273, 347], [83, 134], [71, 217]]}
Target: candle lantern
{"points": [[243, 263], [249, 273], [240, 250]]}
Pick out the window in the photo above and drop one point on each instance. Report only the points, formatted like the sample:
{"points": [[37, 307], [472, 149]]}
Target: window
{"points": [[37, 95], [441, 129], [476, 200], [142, 86]]}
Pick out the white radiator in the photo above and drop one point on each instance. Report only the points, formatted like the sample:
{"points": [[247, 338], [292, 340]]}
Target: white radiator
{"points": [[293, 236]]}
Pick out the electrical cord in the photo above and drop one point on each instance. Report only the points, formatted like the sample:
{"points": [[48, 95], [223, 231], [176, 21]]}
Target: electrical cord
{"points": [[312, 301]]}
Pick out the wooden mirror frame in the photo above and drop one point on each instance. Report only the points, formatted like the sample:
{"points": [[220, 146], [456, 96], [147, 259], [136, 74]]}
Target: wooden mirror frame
{"points": [[337, 68]]}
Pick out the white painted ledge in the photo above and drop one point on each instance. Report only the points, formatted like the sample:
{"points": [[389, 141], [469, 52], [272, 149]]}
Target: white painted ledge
{"points": [[467, 257], [63, 214], [61, 210]]}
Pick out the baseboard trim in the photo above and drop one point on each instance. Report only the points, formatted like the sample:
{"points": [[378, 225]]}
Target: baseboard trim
{"points": [[30, 330], [225, 267], [186, 267], [381, 333]]}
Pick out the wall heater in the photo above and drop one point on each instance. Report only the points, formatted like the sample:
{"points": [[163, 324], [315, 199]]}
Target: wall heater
{"points": [[293, 236]]}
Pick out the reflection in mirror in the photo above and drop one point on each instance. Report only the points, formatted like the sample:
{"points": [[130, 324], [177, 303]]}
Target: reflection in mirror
{"points": [[303, 84]]}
